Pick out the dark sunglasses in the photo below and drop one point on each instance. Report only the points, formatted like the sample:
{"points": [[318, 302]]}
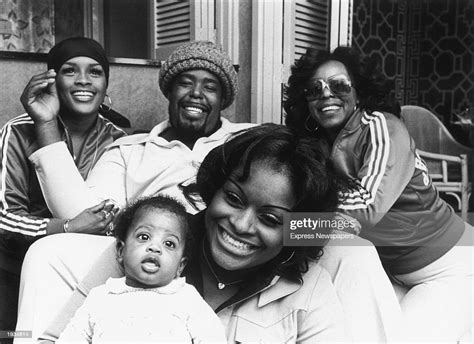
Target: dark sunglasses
{"points": [[339, 86]]}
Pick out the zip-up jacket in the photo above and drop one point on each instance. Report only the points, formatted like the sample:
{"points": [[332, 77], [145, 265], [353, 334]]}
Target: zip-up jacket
{"points": [[393, 197], [24, 215]]}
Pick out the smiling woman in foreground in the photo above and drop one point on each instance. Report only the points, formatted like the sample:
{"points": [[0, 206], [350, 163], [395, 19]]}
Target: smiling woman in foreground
{"points": [[262, 290]]}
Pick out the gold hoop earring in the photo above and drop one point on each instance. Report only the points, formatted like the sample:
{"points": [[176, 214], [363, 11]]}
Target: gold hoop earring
{"points": [[104, 107], [308, 128]]}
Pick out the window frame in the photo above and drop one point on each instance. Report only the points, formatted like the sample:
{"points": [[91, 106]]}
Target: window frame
{"points": [[210, 20]]}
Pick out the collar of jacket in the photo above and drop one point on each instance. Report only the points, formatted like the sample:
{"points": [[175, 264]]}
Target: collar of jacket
{"points": [[154, 135], [354, 121], [285, 287], [222, 131], [67, 137]]}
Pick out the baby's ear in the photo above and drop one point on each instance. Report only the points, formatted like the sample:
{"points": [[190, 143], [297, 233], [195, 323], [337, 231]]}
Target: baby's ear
{"points": [[182, 265], [119, 246]]}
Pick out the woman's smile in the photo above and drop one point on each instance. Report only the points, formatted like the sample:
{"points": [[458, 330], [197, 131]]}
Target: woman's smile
{"points": [[83, 96], [330, 108], [235, 244]]}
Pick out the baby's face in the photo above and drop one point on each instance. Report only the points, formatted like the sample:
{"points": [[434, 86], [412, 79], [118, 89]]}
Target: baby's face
{"points": [[152, 255]]}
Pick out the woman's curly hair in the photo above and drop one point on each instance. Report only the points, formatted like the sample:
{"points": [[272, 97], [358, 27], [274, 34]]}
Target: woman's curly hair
{"points": [[302, 158], [371, 85]]}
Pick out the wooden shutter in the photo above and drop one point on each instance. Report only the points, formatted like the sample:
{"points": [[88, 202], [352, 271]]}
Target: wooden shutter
{"points": [[311, 25], [172, 26], [305, 24]]}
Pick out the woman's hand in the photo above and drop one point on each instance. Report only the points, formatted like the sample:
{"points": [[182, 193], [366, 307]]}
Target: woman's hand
{"points": [[95, 220], [40, 97]]}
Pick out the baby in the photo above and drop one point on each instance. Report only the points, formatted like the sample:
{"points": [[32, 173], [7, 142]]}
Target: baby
{"points": [[152, 302]]}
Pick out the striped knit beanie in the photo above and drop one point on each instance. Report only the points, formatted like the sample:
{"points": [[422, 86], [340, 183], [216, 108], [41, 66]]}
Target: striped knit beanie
{"points": [[200, 55]]}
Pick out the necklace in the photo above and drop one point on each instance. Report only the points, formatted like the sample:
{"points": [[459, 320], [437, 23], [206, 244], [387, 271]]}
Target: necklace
{"points": [[220, 285]]}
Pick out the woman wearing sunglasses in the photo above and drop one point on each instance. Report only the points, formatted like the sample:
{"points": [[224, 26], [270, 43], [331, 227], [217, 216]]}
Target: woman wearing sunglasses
{"points": [[343, 98]]}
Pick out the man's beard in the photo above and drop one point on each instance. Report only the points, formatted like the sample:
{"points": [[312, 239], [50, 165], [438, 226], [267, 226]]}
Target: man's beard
{"points": [[189, 131], [193, 130]]}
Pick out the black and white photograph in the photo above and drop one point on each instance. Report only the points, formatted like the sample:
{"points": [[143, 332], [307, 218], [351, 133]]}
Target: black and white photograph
{"points": [[236, 171]]}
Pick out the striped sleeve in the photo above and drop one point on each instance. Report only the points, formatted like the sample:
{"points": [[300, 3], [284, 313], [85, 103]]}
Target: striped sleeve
{"points": [[14, 183], [386, 170]]}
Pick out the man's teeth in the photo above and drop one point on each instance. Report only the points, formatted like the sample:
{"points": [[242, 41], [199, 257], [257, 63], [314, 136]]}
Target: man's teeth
{"points": [[329, 108], [237, 244], [193, 109]]}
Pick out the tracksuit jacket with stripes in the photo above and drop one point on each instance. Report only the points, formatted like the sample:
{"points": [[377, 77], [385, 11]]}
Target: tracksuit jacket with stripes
{"points": [[394, 199], [23, 211]]}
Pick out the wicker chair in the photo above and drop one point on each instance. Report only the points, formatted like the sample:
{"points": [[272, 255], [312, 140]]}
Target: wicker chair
{"points": [[450, 164]]}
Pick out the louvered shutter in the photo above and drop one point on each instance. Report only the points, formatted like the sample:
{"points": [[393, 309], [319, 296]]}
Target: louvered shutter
{"points": [[172, 26], [311, 25], [305, 24]]}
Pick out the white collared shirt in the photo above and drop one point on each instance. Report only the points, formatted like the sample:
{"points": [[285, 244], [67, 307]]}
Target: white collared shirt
{"points": [[132, 167]]}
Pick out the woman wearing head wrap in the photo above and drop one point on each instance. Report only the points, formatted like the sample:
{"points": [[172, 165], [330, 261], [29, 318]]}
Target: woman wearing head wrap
{"points": [[74, 87]]}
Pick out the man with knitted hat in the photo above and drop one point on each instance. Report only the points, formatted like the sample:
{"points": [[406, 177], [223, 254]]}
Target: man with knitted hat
{"points": [[199, 81], [192, 67]]}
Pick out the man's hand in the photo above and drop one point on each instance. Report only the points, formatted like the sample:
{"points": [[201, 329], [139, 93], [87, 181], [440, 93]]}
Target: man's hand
{"points": [[40, 97], [95, 220]]}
